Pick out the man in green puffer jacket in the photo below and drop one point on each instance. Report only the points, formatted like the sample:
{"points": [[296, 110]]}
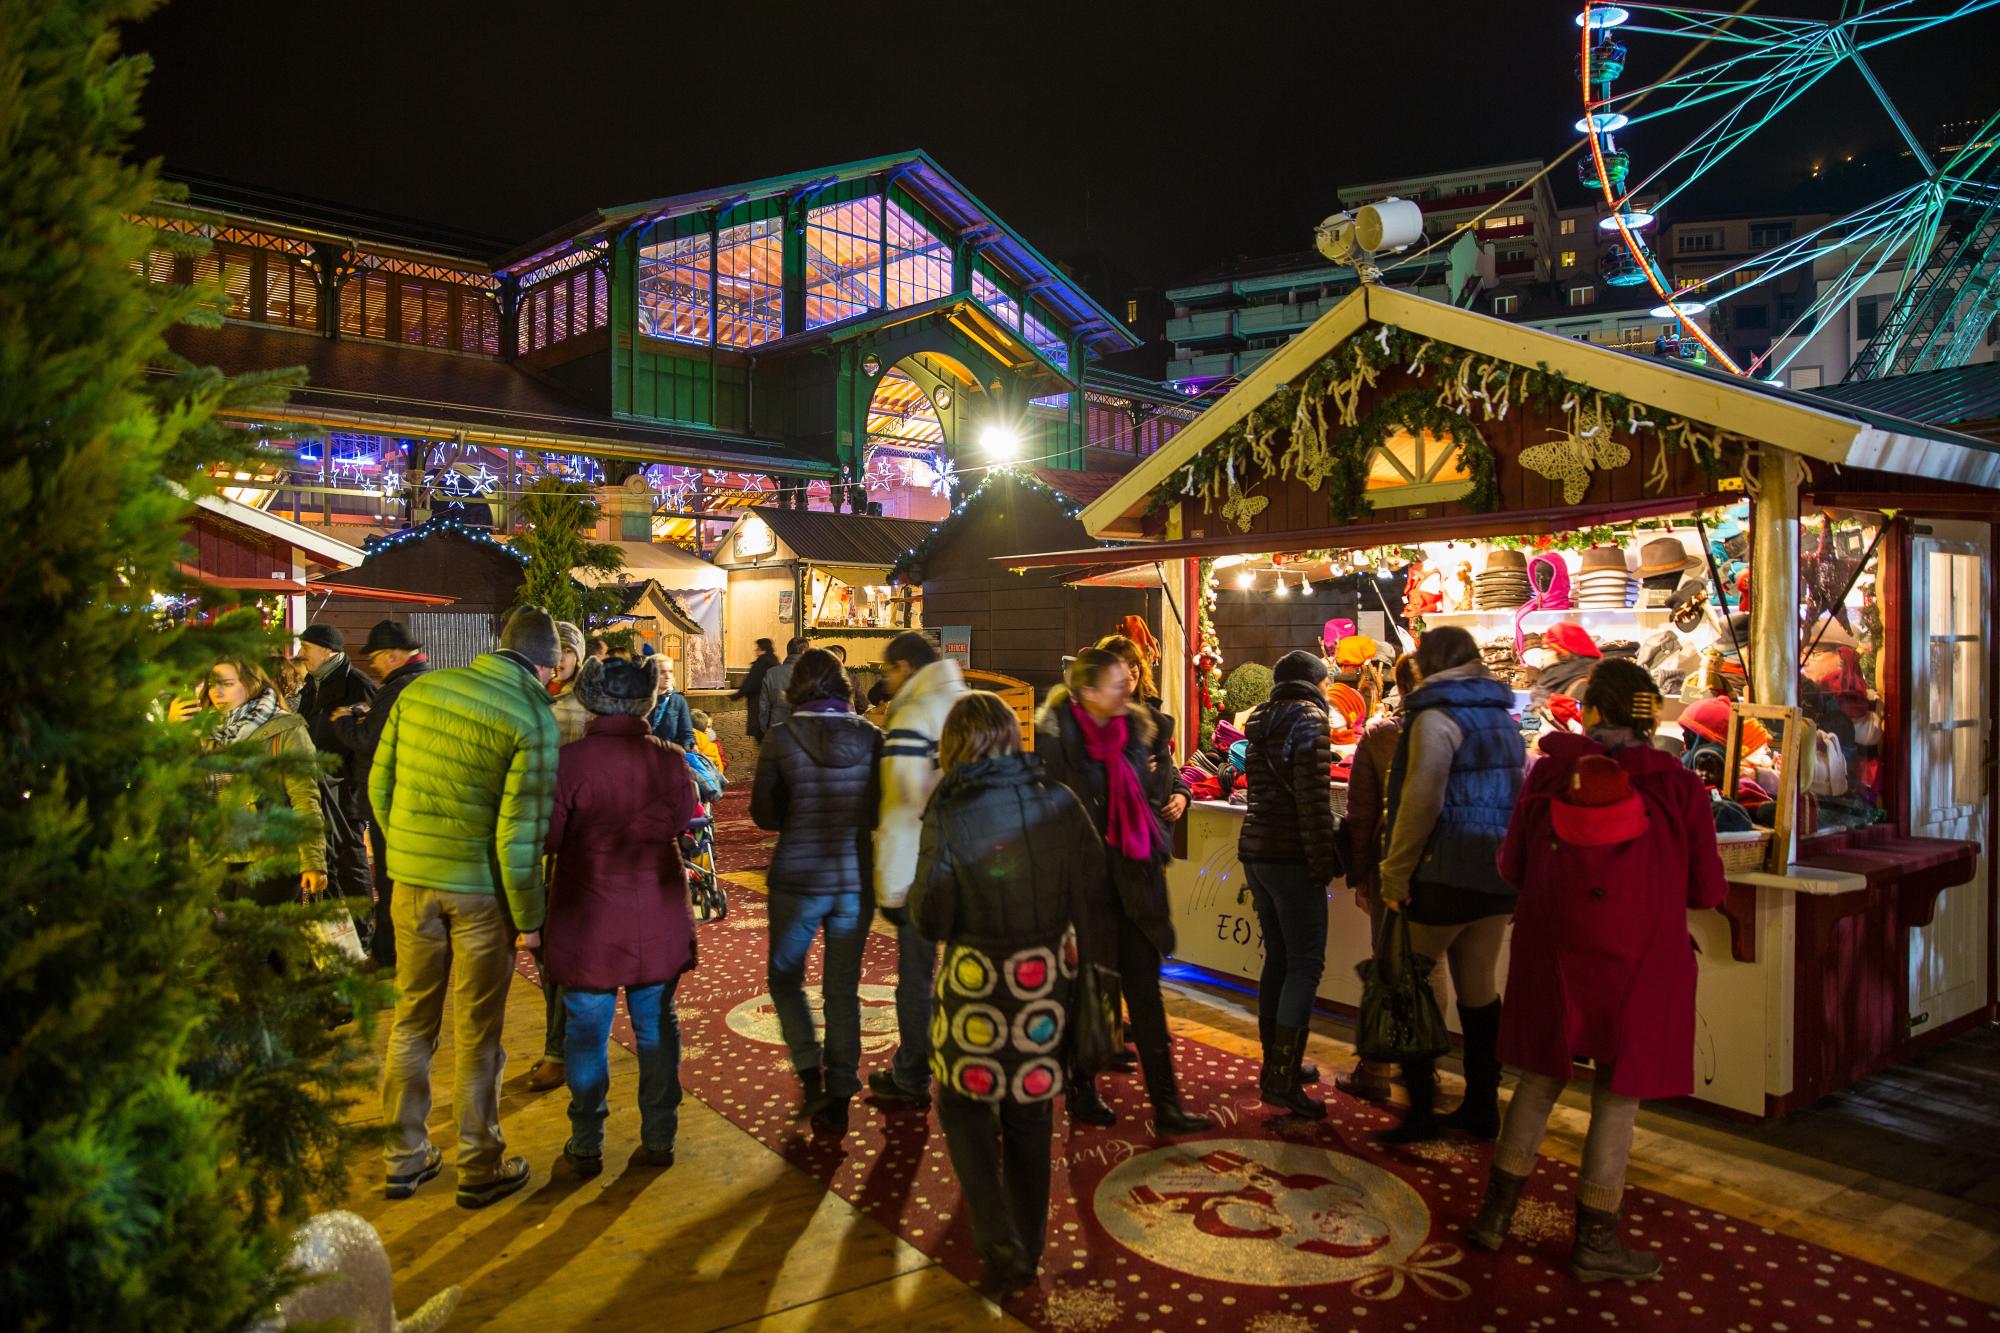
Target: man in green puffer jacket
{"points": [[463, 782]]}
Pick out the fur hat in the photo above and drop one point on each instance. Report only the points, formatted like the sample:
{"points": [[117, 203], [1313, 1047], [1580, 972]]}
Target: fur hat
{"points": [[1599, 807], [531, 633], [615, 687], [324, 636], [570, 637]]}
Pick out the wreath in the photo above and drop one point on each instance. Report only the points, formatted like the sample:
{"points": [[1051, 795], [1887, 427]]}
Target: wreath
{"points": [[1416, 411]]}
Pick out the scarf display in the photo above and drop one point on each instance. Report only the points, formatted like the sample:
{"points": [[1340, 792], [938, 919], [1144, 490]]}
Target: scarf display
{"points": [[239, 722], [1127, 821]]}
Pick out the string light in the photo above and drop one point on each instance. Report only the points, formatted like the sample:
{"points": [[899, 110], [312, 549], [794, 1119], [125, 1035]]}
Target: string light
{"points": [[431, 528], [917, 554], [1305, 586]]}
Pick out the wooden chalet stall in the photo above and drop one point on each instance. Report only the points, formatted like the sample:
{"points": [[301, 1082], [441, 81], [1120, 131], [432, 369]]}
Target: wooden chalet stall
{"points": [[451, 585], [656, 621], [1401, 442], [1021, 624], [245, 549], [818, 574]]}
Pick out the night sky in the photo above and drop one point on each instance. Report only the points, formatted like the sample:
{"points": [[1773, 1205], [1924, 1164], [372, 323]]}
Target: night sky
{"points": [[1137, 141]]}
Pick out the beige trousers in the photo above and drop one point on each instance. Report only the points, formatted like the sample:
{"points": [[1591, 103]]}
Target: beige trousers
{"points": [[462, 939], [1607, 1148], [1472, 950]]}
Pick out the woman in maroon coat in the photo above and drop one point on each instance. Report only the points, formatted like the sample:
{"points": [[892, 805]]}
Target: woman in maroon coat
{"points": [[618, 906], [1611, 844]]}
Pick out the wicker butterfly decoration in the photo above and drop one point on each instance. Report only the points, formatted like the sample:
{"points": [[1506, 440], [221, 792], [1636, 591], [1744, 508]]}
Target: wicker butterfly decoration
{"points": [[1573, 453]]}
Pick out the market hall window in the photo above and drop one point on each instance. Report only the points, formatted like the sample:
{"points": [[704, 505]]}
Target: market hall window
{"points": [[749, 283], [675, 289], [995, 298], [919, 264], [843, 260], [1044, 339]]}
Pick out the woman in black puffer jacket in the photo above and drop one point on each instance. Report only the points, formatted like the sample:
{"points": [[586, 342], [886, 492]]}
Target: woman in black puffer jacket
{"points": [[816, 785], [1291, 852], [1093, 740], [1010, 876]]}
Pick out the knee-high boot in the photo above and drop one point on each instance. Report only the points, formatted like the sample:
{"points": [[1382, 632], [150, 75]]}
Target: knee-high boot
{"points": [[1479, 1114], [1156, 1061]]}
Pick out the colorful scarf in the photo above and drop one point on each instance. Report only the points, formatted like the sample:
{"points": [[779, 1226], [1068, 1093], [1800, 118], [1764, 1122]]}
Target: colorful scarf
{"points": [[1128, 820]]}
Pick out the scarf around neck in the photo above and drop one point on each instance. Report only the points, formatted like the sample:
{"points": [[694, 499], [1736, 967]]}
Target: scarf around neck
{"points": [[825, 706], [1128, 820], [240, 721]]}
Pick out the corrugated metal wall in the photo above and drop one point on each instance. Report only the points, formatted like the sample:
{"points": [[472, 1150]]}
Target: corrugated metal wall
{"points": [[453, 638]]}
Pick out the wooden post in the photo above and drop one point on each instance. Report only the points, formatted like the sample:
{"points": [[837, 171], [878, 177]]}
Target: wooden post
{"points": [[1774, 597]]}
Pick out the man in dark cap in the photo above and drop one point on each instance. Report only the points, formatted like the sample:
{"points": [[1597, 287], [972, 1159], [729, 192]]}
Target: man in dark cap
{"points": [[463, 782], [396, 659], [333, 683]]}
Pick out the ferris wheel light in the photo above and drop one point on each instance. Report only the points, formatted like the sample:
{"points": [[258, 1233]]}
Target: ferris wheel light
{"points": [[1604, 122], [1633, 221], [1603, 16], [1677, 309]]}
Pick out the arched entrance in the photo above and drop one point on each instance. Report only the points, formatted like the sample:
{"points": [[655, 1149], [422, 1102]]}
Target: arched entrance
{"points": [[920, 415]]}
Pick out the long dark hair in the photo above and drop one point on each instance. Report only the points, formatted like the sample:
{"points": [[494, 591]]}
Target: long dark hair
{"points": [[817, 675], [1443, 648]]}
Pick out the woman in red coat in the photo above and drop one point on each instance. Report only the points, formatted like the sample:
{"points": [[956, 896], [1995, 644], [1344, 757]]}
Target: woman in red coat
{"points": [[1610, 846], [618, 906]]}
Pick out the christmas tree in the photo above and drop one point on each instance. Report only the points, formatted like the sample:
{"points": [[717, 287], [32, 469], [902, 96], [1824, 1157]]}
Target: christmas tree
{"points": [[558, 516], [153, 1153]]}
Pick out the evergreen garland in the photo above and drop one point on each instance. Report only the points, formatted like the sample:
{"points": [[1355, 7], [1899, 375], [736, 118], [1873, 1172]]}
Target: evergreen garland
{"points": [[1416, 411]]}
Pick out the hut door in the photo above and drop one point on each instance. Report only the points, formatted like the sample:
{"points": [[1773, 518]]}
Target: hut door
{"points": [[1950, 718]]}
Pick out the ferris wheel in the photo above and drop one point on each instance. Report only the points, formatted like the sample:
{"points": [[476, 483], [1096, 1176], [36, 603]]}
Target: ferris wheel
{"points": [[1943, 225]]}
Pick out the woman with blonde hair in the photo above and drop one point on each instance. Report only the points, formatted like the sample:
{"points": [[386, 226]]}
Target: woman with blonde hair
{"points": [[1010, 873]]}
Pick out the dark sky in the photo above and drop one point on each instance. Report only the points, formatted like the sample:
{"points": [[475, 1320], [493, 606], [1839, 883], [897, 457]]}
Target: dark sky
{"points": [[1161, 137]]}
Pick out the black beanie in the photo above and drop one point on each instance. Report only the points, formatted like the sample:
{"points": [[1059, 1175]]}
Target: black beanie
{"points": [[324, 636], [1299, 664]]}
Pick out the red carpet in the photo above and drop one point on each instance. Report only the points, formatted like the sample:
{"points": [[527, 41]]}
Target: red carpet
{"points": [[1265, 1224]]}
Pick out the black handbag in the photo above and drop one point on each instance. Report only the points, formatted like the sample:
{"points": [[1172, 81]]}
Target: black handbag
{"points": [[1097, 1033], [1399, 1021]]}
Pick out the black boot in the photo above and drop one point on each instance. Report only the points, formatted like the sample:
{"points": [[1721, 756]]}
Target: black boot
{"points": [[1279, 1084], [1599, 1256], [1170, 1118], [1496, 1214], [1085, 1106], [1479, 1114], [1420, 1124]]}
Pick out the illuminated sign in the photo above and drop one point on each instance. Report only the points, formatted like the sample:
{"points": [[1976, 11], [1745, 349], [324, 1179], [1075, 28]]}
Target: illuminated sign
{"points": [[755, 538]]}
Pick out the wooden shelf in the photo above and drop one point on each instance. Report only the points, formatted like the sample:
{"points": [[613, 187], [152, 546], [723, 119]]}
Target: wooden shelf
{"points": [[1639, 614]]}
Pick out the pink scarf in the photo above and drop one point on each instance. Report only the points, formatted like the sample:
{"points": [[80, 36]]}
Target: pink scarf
{"points": [[1128, 820]]}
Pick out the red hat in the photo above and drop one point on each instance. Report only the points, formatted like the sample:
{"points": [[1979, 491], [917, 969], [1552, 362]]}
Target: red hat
{"points": [[1565, 710], [1599, 807], [1709, 720], [1572, 639]]}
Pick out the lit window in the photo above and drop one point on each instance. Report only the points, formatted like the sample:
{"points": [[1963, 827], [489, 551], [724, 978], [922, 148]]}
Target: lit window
{"points": [[232, 268], [1506, 304], [749, 283], [1569, 226], [919, 267], [1043, 337], [1509, 220], [1582, 295], [1131, 312], [1004, 307], [843, 261], [1569, 259], [674, 290]]}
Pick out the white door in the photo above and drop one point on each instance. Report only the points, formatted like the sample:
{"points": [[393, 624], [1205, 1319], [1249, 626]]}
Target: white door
{"points": [[1950, 717]]}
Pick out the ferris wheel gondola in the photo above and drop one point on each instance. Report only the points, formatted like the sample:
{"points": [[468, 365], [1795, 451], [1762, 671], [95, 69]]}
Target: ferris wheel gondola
{"points": [[1945, 226]]}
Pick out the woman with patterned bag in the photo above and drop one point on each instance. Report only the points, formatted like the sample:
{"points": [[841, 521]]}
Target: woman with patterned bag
{"points": [[1010, 872]]}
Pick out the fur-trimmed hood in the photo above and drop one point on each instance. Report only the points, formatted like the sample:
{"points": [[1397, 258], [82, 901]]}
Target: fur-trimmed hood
{"points": [[1139, 718]]}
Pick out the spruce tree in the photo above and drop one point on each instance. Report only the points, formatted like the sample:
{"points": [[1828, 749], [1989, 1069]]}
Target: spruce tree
{"points": [[152, 1153], [556, 540]]}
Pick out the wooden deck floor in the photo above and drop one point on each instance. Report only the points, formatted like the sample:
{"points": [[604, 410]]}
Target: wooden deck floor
{"points": [[734, 1237]]}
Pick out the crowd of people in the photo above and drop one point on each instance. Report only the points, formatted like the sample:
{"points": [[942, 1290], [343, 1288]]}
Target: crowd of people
{"points": [[537, 798]]}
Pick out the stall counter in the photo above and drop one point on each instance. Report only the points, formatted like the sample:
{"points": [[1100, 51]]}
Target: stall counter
{"points": [[1745, 953]]}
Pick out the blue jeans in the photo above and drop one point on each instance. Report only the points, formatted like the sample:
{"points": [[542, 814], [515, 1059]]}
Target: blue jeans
{"points": [[657, 1030], [916, 960], [1291, 909], [796, 919]]}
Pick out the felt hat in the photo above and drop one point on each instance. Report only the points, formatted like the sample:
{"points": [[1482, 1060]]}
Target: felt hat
{"points": [[1665, 555], [617, 686], [531, 633], [1335, 630], [1572, 639], [324, 636], [386, 635], [1354, 650], [1709, 719], [1350, 703], [1603, 558], [1598, 808], [1504, 560]]}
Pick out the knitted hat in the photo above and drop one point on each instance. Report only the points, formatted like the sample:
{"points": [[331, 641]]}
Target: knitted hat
{"points": [[1354, 650], [1604, 557], [1709, 720], [324, 636], [1572, 639], [531, 633], [387, 635], [570, 637], [1665, 555], [1299, 665], [1599, 807], [617, 687]]}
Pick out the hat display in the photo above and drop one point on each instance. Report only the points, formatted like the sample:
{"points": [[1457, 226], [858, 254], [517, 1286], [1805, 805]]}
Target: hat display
{"points": [[1709, 719], [324, 636], [390, 635], [1572, 639], [1600, 558], [1354, 650], [1505, 560], [1665, 555], [1599, 807]]}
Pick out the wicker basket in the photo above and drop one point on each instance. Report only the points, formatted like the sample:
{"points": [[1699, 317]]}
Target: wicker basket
{"points": [[1743, 852]]}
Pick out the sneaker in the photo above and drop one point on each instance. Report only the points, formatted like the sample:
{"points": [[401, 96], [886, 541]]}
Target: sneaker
{"points": [[514, 1173], [883, 1087], [661, 1158], [404, 1185]]}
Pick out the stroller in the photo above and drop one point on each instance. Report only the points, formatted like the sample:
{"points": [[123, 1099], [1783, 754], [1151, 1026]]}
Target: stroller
{"points": [[706, 894]]}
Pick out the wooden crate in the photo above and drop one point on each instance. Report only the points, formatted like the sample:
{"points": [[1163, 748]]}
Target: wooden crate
{"points": [[1016, 694]]}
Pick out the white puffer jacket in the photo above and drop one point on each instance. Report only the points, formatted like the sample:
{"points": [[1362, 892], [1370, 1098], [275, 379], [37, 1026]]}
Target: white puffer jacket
{"points": [[910, 773]]}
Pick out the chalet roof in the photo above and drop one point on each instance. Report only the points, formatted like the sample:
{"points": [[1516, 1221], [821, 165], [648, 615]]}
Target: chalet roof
{"points": [[631, 594], [361, 384], [1960, 396], [1811, 425], [843, 539], [915, 172]]}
